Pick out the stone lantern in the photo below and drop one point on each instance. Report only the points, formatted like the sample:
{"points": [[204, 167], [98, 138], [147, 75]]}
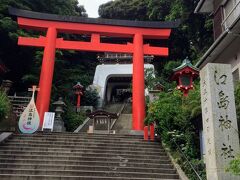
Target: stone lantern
{"points": [[78, 90], [184, 76], [6, 85], [153, 93], [59, 110]]}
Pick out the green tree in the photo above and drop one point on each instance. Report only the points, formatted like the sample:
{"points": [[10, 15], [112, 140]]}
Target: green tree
{"points": [[4, 105], [190, 39], [22, 60]]}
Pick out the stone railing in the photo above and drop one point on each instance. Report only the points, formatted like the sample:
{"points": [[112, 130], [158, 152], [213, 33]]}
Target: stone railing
{"points": [[19, 103]]}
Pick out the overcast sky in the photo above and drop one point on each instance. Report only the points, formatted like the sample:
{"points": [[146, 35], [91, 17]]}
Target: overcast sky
{"points": [[91, 6]]}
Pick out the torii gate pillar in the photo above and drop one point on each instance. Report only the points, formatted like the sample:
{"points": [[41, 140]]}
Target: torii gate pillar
{"points": [[138, 84], [46, 76]]}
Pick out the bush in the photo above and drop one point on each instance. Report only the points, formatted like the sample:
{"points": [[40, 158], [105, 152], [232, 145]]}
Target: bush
{"points": [[176, 116], [234, 166], [73, 119], [90, 98], [237, 102], [5, 105]]}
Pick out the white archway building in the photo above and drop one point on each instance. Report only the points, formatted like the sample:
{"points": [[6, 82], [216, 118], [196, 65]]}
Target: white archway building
{"points": [[105, 71]]}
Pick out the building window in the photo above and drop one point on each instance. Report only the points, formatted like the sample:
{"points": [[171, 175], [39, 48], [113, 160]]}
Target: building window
{"points": [[217, 22]]}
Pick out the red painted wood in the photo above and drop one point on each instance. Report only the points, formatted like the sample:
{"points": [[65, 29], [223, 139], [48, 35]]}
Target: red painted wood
{"points": [[145, 133], [94, 45], [106, 30], [152, 133], [138, 84], [50, 43], [78, 100], [46, 76]]}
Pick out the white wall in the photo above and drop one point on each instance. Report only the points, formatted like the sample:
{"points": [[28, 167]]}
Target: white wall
{"points": [[104, 72]]}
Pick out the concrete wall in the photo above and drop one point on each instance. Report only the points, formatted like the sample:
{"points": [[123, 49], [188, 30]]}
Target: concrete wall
{"points": [[231, 55]]}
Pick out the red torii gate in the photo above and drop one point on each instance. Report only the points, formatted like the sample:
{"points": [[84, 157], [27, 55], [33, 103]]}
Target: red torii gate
{"points": [[54, 24]]}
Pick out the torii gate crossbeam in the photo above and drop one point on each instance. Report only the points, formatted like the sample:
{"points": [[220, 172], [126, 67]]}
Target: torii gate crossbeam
{"points": [[96, 28]]}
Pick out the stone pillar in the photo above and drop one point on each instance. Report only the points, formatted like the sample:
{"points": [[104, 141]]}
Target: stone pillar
{"points": [[46, 76], [219, 120]]}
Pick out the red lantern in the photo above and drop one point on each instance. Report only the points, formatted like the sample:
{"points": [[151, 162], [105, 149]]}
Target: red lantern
{"points": [[184, 75], [78, 90]]}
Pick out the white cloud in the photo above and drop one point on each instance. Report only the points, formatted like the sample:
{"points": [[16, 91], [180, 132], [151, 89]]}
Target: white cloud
{"points": [[91, 6]]}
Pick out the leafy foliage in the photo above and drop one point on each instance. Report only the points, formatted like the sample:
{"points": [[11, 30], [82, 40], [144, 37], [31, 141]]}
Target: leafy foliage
{"points": [[4, 105], [73, 119], [190, 39], [237, 103], [177, 119], [90, 98], [234, 166], [20, 59], [25, 62]]}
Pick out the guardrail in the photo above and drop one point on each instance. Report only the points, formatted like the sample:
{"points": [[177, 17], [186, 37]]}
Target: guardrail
{"points": [[187, 160]]}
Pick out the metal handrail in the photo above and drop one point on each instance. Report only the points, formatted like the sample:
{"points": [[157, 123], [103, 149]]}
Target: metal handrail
{"points": [[182, 153], [118, 114]]}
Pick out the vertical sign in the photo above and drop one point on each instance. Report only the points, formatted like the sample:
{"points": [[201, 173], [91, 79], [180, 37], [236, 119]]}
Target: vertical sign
{"points": [[29, 120], [48, 120], [219, 120]]}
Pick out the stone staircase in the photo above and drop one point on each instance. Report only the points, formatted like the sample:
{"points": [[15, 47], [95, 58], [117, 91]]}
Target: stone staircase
{"points": [[59, 156], [124, 124]]}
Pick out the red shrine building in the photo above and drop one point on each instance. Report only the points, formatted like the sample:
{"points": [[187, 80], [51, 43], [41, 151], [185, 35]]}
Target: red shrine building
{"points": [[136, 32]]}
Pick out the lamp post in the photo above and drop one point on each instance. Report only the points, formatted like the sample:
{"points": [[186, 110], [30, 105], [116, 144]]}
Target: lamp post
{"points": [[184, 76], [78, 90]]}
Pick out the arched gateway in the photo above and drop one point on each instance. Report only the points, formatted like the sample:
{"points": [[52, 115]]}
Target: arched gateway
{"points": [[96, 28]]}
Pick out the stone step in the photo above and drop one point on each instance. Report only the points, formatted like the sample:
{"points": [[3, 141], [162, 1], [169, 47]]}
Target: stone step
{"points": [[86, 167], [92, 146], [85, 135], [86, 163], [90, 150], [119, 159], [86, 154], [88, 139], [88, 173], [83, 156], [110, 143], [55, 177]]}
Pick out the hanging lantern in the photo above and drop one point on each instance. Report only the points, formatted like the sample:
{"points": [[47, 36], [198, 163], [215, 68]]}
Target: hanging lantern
{"points": [[184, 76], [78, 90]]}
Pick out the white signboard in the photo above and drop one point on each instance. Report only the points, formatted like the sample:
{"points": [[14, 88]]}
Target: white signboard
{"points": [[48, 120], [219, 120]]}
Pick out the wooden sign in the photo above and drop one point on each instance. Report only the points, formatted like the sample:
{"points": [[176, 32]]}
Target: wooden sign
{"points": [[29, 120]]}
